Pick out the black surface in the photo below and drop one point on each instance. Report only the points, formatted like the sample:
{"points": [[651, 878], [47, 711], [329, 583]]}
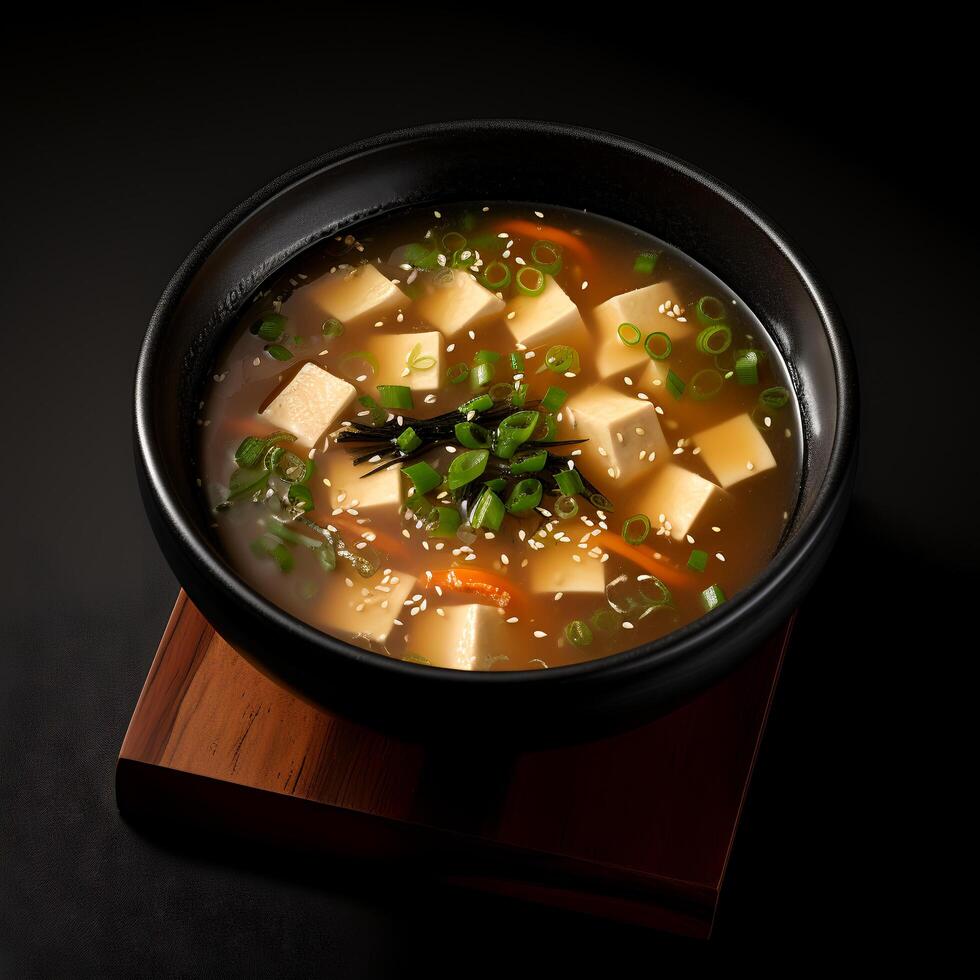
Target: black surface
{"points": [[122, 145]]}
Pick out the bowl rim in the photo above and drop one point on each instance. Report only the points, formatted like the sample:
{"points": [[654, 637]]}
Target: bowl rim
{"points": [[686, 641]]}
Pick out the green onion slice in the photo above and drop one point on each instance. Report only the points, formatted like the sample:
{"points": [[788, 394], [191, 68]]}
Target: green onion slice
{"points": [[396, 396], [247, 480], [496, 276], [569, 482], [467, 467], [457, 373], [479, 404], [498, 484], [777, 397], [443, 522], [300, 496], [561, 359], [482, 375], [529, 462], [378, 414], [517, 361], [577, 633], [421, 256], [361, 355], [747, 367], [453, 241], [566, 508], [706, 384], [629, 334], [252, 449], [698, 560], [645, 263], [417, 361], [486, 357], [636, 529], [488, 511], [675, 385], [715, 339], [519, 397], [712, 597], [332, 327], [502, 391], [408, 441], [279, 352], [709, 310], [554, 398], [530, 281], [471, 435], [605, 620], [513, 431], [525, 496], [658, 345], [424, 477], [546, 256]]}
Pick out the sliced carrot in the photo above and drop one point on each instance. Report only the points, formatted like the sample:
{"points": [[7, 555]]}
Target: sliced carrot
{"points": [[535, 232], [475, 581], [352, 532], [664, 570]]}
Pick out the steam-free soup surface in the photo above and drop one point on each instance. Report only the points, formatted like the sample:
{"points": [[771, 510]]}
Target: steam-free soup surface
{"points": [[498, 437]]}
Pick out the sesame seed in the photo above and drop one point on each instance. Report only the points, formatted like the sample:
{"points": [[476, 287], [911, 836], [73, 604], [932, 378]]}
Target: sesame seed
{"points": [[540, 634], [720, 556], [450, 348], [585, 284], [513, 619], [558, 596]]}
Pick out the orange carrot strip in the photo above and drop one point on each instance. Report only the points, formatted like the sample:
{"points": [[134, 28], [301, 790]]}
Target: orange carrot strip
{"points": [[475, 581], [667, 572], [549, 233]]}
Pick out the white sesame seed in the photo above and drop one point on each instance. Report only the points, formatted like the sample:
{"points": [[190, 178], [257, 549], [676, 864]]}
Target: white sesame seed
{"points": [[540, 634]]}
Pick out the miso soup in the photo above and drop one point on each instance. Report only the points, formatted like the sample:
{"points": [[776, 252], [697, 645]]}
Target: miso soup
{"points": [[498, 437]]}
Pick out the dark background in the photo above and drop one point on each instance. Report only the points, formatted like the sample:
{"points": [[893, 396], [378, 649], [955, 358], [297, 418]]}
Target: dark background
{"points": [[125, 141]]}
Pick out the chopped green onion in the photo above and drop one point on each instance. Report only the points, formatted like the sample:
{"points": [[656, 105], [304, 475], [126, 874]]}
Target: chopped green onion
{"points": [[706, 384], [424, 478], [513, 431], [517, 361], [698, 560], [605, 620], [664, 597], [453, 241], [658, 345], [488, 511], [715, 339], [520, 396], [332, 327], [443, 522], [502, 391], [550, 429], [279, 352], [378, 414], [265, 547], [479, 404], [270, 327], [600, 501], [290, 466], [496, 276], [566, 508], [482, 375], [747, 367], [674, 384], [554, 398], [525, 496], [421, 256], [645, 263], [561, 358], [629, 334], [631, 536], [252, 449], [577, 633], [467, 467], [396, 396], [408, 441], [775, 397], [569, 482], [546, 256], [361, 355], [709, 310], [417, 361], [530, 281], [300, 496], [471, 435], [246, 481], [529, 462], [486, 357], [498, 484], [712, 597], [457, 373]]}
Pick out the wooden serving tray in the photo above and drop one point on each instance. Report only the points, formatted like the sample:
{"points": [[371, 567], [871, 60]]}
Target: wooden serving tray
{"points": [[636, 827]]}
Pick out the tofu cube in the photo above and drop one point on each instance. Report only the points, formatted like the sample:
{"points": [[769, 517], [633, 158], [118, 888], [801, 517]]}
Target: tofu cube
{"points": [[468, 637], [679, 495], [348, 489], [561, 567], [619, 428], [641, 307], [653, 376], [735, 450], [614, 358], [548, 317], [392, 352], [367, 608], [349, 294], [310, 404], [453, 305]]}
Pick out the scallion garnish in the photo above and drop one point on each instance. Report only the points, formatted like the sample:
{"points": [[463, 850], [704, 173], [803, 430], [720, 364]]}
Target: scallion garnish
{"points": [[482, 374], [554, 398], [361, 355], [502, 391], [252, 449], [706, 384], [636, 529], [569, 482], [675, 385], [466, 467], [747, 367], [443, 522], [529, 462], [629, 334], [658, 346], [775, 398], [513, 431], [577, 633], [376, 413], [270, 326], [566, 508], [457, 373], [645, 263], [408, 441], [486, 357], [488, 511], [279, 352], [395, 396], [712, 597], [332, 327], [423, 476], [715, 339], [270, 547], [605, 620], [709, 310], [498, 485], [698, 560], [471, 435], [546, 256], [519, 397], [300, 496], [496, 276], [530, 281], [517, 361], [525, 496], [453, 241], [561, 359], [479, 404], [417, 361], [421, 256]]}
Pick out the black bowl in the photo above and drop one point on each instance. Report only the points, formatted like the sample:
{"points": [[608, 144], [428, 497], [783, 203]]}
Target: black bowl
{"points": [[492, 160]]}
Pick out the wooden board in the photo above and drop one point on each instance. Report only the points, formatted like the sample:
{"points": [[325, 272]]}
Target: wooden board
{"points": [[636, 827]]}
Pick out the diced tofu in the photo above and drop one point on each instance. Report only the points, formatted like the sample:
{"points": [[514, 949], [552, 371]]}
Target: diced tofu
{"points": [[679, 495], [565, 568], [369, 607], [641, 307], [310, 404], [549, 316], [392, 352], [348, 489], [613, 358], [619, 428], [456, 304], [653, 376], [735, 450], [468, 637], [348, 294]]}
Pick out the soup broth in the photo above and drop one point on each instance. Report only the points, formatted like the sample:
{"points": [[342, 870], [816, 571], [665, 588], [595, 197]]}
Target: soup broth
{"points": [[498, 437]]}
